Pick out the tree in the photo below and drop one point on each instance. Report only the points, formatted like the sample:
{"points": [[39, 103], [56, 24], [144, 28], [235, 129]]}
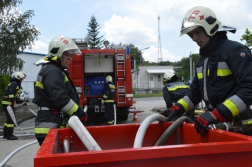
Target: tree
{"points": [[16, 34], [135, 54], [248, 38], [186, 66], [94, 42]]}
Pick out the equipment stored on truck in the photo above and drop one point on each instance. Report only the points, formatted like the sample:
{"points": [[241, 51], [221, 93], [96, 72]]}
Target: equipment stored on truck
{"points": [[88, 73]]}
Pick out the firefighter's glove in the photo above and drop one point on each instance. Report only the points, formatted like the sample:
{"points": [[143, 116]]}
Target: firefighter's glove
{"points": [[19, 101], [102, 101], [80, 113], [165, 112], [84, 118], [203, 120], [174, 113]]}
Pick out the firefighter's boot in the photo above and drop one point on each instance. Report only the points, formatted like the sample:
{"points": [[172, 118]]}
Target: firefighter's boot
{"points": [[12, 137], [4, 132]]}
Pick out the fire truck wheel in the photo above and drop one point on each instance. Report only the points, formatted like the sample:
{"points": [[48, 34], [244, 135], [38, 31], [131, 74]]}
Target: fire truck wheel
{"points": [[123, 114], [124, 117]]}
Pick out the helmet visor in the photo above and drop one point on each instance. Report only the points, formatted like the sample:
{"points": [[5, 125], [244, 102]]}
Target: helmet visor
{"points": [[74, 51], [187, 26]]}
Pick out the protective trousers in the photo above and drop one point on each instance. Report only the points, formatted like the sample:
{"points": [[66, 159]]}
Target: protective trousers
{"points": [[9, 124], [45, 120], [109, 112]]}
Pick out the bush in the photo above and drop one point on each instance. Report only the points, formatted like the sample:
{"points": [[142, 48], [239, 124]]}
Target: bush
{"points": [[4, 81]]}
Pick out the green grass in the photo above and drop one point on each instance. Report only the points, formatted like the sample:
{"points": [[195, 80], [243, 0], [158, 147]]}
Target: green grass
{"points": [[147, 95]]}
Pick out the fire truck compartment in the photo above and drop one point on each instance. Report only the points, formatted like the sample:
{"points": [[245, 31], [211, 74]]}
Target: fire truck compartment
{"points": [[94, 85], [183, 148], [98, 64]]}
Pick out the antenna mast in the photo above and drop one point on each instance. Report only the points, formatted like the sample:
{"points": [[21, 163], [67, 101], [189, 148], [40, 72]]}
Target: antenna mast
{"points": [[160, 58]]}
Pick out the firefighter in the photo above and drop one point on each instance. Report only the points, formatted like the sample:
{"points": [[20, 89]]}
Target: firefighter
{"points": [[54, 90], [223, 72], [172, 92], [108, 99], [11, 96]]}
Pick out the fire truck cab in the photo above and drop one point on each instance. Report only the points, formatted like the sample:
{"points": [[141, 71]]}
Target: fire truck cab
{"points": [[88, 73]]}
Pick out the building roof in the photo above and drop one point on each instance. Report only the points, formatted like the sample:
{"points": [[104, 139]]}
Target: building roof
{"points": [[34, 53], [158, 71]]}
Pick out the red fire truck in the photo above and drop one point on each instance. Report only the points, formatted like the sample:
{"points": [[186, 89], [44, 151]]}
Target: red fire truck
{"points": [[88, 73]]}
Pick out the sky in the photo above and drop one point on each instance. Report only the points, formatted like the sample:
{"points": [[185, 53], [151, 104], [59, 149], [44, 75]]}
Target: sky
{"points": [[133, 21]]}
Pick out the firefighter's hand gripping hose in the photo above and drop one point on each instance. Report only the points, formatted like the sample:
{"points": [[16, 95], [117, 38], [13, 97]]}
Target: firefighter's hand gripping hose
{"points": [[83, 134]]}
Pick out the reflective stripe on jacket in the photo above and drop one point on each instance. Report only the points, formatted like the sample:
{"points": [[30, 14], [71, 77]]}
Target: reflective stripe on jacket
{"points": [[174, 91], [109, 93]]}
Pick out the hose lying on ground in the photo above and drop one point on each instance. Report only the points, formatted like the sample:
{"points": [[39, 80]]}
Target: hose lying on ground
{"points": [[31, 110], [30, 134], [171, 129], [13, 152]]}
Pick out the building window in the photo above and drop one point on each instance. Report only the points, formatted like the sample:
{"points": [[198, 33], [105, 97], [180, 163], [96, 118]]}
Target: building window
{"points": [[151, 78], [159, 78]]}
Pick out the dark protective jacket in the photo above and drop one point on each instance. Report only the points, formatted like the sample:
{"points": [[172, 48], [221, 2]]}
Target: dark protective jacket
{"points": [[54, 89], [224, 78], [12, 92], [54, 92], [108, 93], [174, 91]]}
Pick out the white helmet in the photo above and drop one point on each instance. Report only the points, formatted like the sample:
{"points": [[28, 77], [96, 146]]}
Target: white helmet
{"points": [[19, 75], [60, 44], [200, 16], [167, 76], [108, 78]]}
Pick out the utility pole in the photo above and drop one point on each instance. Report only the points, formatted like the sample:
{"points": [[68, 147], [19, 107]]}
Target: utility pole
{"points": [[140, 53], [160, 58]]}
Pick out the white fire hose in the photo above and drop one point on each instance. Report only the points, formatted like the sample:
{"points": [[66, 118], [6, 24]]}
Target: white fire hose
{"points": [[13, 152], [12, 115], [83, 134], [143, 127], [114, 114]]}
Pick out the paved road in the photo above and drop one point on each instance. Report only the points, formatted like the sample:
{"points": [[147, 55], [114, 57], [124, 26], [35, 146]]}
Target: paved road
{"points": [[24, 158]]}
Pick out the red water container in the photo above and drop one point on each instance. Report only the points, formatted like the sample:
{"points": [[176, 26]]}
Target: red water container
{"points": [[183, 148]]}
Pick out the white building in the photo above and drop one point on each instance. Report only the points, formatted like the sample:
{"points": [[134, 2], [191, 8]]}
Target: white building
{"points": [[149, 78], [31, 70]]}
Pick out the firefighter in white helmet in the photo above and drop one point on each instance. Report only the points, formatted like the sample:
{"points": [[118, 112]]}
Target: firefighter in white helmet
{"points": [[55, 93], [172, 92], [108, 99], [223, 72], [11, 97]]}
